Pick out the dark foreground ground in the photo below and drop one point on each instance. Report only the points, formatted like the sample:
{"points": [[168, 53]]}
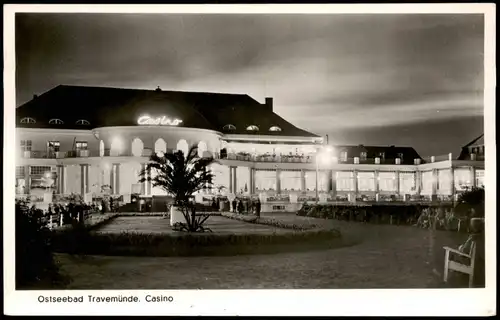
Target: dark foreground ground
{"points": [[386, 257]]}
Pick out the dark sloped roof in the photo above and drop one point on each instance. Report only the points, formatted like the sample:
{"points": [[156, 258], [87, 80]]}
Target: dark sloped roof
{"points": [[465, 152], [477, 141], [103, 107], [390, 152]]}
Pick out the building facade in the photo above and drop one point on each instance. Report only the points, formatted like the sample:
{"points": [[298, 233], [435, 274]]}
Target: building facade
{"points": [[91, 141]]}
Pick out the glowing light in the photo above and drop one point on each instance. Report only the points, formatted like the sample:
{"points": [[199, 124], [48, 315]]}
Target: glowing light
{"points": [[162, 121], [117, 146]]}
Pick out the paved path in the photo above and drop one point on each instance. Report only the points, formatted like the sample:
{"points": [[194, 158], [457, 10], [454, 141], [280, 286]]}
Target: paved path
{"points": [[386, 257]]}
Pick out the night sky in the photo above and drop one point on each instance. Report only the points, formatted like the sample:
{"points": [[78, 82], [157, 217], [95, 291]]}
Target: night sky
{"points": [[411, 80]]}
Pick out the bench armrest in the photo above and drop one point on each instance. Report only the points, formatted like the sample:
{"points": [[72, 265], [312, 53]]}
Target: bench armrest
{"points": [[457, 252]]}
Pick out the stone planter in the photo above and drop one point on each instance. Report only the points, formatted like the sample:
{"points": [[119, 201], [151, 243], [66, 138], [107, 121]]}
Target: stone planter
{"points": [[176, 216]]}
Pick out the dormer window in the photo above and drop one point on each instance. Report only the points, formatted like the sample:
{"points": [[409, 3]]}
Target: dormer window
{"points": [[83, 123], [229, 127], [275, 128], [252, 128], [28, 120], [56, 121]]}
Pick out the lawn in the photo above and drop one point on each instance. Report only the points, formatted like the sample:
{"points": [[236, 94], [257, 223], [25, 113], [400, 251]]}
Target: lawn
{"points": [[158, 224], [385, 257]]}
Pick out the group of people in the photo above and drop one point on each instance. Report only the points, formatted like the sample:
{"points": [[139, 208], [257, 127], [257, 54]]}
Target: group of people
{"points": [[252, 205], [238, 205], [70, 212]]}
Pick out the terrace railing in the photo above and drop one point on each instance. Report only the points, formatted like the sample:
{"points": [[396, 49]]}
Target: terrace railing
{"points": [[38, 154], [312, 159]]}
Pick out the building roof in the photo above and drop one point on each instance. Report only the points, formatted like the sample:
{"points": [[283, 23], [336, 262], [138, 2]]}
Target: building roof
{"points": [[389, 152], [104, 107], [465, 152], [479, 141]]}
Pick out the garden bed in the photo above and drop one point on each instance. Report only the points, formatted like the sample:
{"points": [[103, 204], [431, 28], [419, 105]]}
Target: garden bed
{"points": [[299, 226], [206, 244]]}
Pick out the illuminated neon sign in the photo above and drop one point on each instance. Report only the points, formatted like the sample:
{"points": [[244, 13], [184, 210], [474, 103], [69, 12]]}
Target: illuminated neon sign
{"points": [[159, 121]]}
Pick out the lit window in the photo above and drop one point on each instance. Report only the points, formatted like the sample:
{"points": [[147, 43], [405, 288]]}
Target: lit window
{"points": [[53, 146], [202, 147], [81, 145], [28, 120], [26, 145], [38, 170], [363, 155], [252, 128], [183, 146], [229, 127], [381, 155], [19, 171], [56, 121], [83, 122], [137, 147], [160, 147], [343, 156], [275, 128]]}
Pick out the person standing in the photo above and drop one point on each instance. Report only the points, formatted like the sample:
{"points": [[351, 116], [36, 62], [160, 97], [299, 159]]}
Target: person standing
{"points": [[257, 208], [214, 205], [234, 205], [240, 207]]}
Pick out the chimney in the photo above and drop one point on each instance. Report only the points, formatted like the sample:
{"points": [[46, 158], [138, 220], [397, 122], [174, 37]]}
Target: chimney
{"points": [[35, 96], [269, 103]]}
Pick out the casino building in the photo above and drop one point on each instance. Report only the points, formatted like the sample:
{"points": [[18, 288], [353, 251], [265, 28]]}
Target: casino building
{"points": [[95, 140]]}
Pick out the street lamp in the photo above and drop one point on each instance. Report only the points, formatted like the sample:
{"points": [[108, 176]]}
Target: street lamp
{"points": [[323, 154]]}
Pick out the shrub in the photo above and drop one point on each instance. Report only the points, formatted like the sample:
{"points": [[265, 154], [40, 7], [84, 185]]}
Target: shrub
{"points": [[137, 244], [401, 214], [35, 263]]}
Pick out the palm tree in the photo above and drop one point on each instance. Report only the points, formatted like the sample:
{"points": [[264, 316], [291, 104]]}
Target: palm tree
{"points": [[181, 176]]}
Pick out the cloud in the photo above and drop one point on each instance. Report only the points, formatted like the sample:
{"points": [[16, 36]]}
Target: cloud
{"points": [[342, 71]]}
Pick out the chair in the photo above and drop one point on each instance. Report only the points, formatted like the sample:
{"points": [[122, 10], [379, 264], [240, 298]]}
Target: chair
{"points": [[459, 266]]}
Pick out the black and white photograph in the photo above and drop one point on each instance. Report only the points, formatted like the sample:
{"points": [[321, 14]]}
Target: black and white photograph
{"points": [[155, 152]]}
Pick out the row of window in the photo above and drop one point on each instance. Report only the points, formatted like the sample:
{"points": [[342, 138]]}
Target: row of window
{"points": [[364, 155], [231, 127], [52, 146], [477, 150], [80, 122], [227, 127]]}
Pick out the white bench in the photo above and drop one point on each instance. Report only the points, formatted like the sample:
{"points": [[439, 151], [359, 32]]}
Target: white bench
{"points": [[458, 266]]}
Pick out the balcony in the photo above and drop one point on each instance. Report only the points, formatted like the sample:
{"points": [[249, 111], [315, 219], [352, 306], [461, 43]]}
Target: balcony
{"points": [[242, 156], [56, 154]]}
